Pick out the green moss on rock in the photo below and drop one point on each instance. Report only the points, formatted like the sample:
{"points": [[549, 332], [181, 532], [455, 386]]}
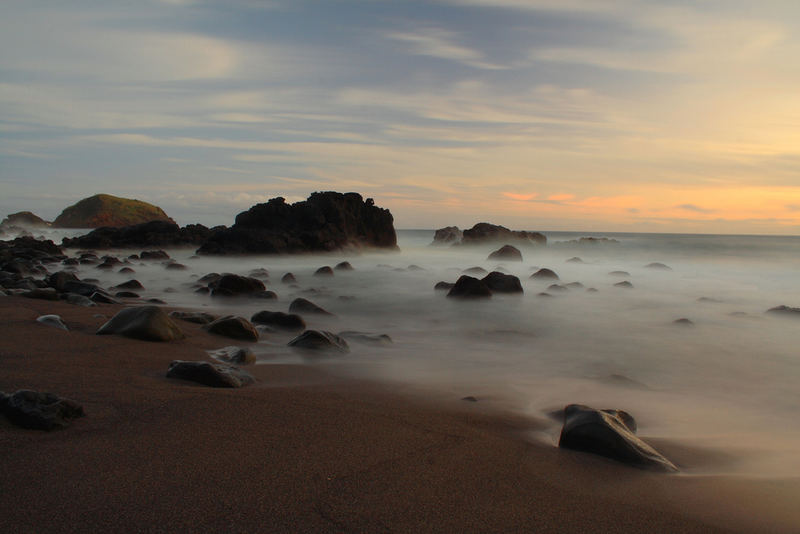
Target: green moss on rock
{"points": [[107, 210]]}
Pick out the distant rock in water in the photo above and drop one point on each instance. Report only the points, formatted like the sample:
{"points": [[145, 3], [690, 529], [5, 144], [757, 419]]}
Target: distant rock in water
{"points": [[326, 221], [107, 210], [785, 310], [485, 233], [506, 252], [448, 235], [658, 266], [545, 274], [583, 241], [149, 234], [24, 219], [467, 287]]}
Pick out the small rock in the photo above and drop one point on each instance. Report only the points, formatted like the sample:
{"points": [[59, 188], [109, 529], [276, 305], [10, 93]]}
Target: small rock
{"points": [[324, 271], [284, 321], [575, 259], [619, 273], [785, 310], [475, 270], [344, 266], [624, 284], [42, 294], [40, 411], [126, 295], [53, 320], [130, 284], [266, 294], [288, 278], [154, 255], [366, 338], [659, 266], [683, 321], [558, 288], [216, 375], [444, 286], [234, 354], [78, 300], [320, 340], [506, 252], [544, 274], [175, 266], [233, 327], [103, 298], [301, 305], [470, 398]]}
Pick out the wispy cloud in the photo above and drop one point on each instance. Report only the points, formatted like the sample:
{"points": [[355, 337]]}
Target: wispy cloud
{"points": [[442, 44]]}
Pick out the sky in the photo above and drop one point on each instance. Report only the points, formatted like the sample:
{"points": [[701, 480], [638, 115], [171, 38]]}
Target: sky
{"points": [[594, 115]]}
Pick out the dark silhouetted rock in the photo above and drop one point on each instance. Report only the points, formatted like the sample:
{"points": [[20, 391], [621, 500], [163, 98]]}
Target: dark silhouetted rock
{"points": [[575, 259], [469, 398], [40, 411], [216, 375], [235, 355], [103, 298], [785, 310], [78, 300], [619, 273], [58, 279], [130, 284], [487, 233], [233, 327], [107, 210], [301, 305], [149, 234], [624, 284], [544, 274], [232, 285], [25, 219], [444, 286], [149, 323], [52, 320], [502, 283], [47, 293], [288, 278], [153, 255], [506, 252], [658, 266], [683, 321], [126, 295], [326, 221], [209, 278], [365, 338], [193, 317], [284, 321], [266, 295], [609, 433], [449, 235], [80, 287], [324, 271], [320, 340], [475, 270], [344, 266], [175, 266], [467, 287]]}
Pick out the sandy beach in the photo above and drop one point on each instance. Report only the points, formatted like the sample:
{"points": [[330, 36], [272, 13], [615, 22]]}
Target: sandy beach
{"points": [[306, 451]]}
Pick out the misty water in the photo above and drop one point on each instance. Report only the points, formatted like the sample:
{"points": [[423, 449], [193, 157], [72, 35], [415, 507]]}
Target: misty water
{"points": [[729, 382]]}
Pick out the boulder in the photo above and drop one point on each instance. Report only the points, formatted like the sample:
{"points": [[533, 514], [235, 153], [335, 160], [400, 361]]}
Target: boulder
{"points": [[233, 327], [78, 300], [130, 284], [324, 271], [52, 320], [40, 411], [107, 210], [149, 234], [216, 375], [153, 255], [288, 278], [499, 282], [234, 354], [193, 317], [284, 321], [344, 266], [232, 285], [267, 295], [443, 286], [544, 274], [467, 287], [507, 253], [149, 323], [320, 340], [326, 221], [449, 235], [58, 279], [609, 433], [487, 233], [301, 305]]}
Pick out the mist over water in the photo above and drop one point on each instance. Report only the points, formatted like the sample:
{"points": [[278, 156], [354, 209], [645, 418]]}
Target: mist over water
{"points": [[728, 382]]}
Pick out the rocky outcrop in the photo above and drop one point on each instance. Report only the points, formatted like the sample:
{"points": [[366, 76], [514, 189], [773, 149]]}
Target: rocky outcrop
{"points": [[39, 411], [24, 219], [149, 323], [609, 433], [506, 252], [488, 233], [448, 235], [216, 375], [320, 340], [149, 234], [326, 221], [107, 210]]}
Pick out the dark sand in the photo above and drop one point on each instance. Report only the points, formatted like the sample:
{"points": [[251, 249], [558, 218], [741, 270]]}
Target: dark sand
{"points": [[304, 451]]}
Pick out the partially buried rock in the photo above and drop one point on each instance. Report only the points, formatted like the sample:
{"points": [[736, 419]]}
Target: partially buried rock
{"points": [[502, 283], [609, 433], [619, 273], [288, 278], [324, 271], [301, 305], [40, 411], [344, 266], [467, 287], [320, 340], [149, 323], [659, 266], [231, 285], [234, 354], [380, 340], [233, 327], [193, 317], [444, 286], [544, 274], [507, 252], [216, 375], [624, 284], [284, 321], [52, 320]]}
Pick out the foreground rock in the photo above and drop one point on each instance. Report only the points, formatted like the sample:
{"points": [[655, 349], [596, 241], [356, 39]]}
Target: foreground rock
{"points": [[148, 323], [324, 222], [284, 321], [609, 433], [108, 210], [39, 411], [52, 320], [233, 327], [320, 340], [499, 282], [468, 287], [149, 234], [216, 375], [507, 253]]}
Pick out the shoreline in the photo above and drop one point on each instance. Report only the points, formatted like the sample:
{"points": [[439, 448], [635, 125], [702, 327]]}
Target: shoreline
{"points": [[304, 450]]}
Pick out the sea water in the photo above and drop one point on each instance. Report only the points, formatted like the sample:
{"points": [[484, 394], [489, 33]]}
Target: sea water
{"points": [[730, 381]]}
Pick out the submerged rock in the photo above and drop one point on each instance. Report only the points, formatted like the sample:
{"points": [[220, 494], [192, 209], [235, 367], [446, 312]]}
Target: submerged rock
{"points": [[40, 411], [232, 285], [216, 375], [233, 327], [683, 321], [324, 271], [506, 252], [149, 323], [624, 284], [659, 266], [444, 286], [544, 274], [284, 321], [609, 433], [288, 278], [320, 340], [502, 283], [301, 305], [467, 287]]}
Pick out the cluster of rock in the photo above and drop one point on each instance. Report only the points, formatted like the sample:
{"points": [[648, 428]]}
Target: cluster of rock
{"points": [[469, 287], [486, 233]]}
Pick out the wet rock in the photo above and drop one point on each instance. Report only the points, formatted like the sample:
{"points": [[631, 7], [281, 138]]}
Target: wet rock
{"points": [[301, 305], [320, 340], [366, 338], [557, 288], [80, 287], [498, 282], [126, 295], [258, 273], [544, 274], [444, 286], [234, 354], [344, 266], [324, 271], [574, 285], [40, 411], [266, 295], [284, 321], [102, 297], [153, 255], [507, 253], [126, 270], [467, 287], [209, 278], [624, 284], [148, 234], [175, 266], [232, 285], [233, 327], [53, 320], [59, 279], [216, 375], [288, 278], [149, 323], [78, 300], [609, 433], [658, 266], [469, 398], [130, 284], [193, 317]]}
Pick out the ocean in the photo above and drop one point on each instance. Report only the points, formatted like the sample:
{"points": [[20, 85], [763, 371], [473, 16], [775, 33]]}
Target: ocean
{"points": [[729, 381]]}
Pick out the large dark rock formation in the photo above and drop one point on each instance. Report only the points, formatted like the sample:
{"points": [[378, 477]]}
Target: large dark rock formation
{"points": [[326, 221], [487, 233], [149, 234], [499, 282], [107, 210], [609, 433], [24, 219]]}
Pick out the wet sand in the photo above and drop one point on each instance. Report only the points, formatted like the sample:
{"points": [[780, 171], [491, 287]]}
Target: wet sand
{"points": [[306, 451]]}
